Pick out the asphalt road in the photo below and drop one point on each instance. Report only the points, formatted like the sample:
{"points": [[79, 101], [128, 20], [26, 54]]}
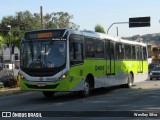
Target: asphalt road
{"points": [[113, 103]]}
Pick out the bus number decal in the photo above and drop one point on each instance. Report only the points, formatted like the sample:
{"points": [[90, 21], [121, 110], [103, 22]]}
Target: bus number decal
{"points": [[99, 68]]}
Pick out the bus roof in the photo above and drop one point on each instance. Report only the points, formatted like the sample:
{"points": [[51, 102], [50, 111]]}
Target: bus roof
{"points": [[106, 36], [94, 35]]}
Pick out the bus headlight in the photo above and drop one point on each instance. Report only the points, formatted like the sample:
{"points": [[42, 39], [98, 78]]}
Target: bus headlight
{"points": [[150, 74], [63, 76]]}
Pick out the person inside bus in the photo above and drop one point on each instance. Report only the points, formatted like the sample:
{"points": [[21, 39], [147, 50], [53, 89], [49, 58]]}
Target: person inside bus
{"points": [[56, 56]]}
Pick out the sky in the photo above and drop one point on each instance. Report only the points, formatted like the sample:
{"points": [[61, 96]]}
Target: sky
{"points": [[88, 13]]}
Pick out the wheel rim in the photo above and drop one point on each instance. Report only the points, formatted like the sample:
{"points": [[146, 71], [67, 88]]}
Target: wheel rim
{"points": [[130, 84], [130, 81], [86, 88]]}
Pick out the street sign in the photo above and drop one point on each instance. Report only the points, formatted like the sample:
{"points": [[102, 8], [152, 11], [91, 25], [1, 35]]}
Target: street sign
{"points": [[139, 22]]}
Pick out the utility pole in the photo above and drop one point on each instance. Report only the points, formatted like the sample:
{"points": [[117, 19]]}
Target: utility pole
{"points": [[117, 31], [41, 13], [116, 23], [134, 22]]}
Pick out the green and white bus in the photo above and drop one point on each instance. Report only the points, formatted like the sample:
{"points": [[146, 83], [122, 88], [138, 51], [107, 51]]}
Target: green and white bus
{"points": [[63, 60]]}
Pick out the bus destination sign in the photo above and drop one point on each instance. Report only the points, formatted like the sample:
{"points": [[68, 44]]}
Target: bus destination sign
{"points": [[45, 35]]}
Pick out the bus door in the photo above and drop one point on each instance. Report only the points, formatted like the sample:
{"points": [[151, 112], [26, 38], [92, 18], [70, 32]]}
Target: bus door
{"points": [[140, 59], [110, 58], [144, 52]]}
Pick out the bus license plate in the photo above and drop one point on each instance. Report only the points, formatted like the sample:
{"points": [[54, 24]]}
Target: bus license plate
{"points": [[41, 84]]}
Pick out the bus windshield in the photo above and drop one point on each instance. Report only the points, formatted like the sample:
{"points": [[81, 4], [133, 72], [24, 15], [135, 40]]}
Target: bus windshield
{"points": [[43, 54]]}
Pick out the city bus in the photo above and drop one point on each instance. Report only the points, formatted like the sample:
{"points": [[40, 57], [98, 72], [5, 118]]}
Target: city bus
{"points": [[66, 60]]}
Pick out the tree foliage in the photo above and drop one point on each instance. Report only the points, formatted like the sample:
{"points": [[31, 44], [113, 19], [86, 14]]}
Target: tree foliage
{"points": [[59, 20], [26, 21], [99, 28]]}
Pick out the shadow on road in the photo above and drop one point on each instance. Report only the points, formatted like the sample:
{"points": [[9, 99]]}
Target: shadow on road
{"points": [[104, 99], [71, 96]]}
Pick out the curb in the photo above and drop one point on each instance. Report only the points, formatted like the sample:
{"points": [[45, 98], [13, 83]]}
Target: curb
{"points": [[9, 91], [146, 86]]}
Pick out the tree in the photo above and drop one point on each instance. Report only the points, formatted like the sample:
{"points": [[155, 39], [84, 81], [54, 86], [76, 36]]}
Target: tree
{"points": [[99, 28], [59, 20], [26, 21], [1, 40], [4, 40]]}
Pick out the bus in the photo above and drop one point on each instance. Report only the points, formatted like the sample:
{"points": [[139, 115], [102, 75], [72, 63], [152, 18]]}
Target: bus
{"points": [[66, 60]]}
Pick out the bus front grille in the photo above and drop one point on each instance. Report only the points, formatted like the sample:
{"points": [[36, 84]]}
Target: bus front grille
{"points": [[42, 87]]}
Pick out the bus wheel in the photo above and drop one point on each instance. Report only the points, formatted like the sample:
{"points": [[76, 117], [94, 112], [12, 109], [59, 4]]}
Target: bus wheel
{"points": [[86, 90], [48, 94], [129, 82]]}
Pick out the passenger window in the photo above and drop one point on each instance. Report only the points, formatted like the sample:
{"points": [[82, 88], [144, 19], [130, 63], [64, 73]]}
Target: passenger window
{"points": [[99, 49], [128, 52], [133, 53], [89, 48], [76, 49], [119, 51], [139, 53]]}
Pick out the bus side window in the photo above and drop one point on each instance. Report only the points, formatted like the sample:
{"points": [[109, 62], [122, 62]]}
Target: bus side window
{"points": [[76, 49], [119, 51], [99, 49], [112, 50], [133, 53], [89, 47], [127, 52], [139, 53], [108, 51], [144, 53]]}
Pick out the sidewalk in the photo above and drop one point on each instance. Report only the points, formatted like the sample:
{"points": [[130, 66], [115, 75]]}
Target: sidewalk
{"points": [[149, 84], [9, 91]]}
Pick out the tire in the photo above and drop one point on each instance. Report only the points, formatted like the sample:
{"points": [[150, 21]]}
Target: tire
{"points": [[129, 82], [87, 89], [150, 78], [48, 94]]}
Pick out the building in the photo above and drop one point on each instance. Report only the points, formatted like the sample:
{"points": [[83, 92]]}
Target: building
{"points": [[10, 55]]}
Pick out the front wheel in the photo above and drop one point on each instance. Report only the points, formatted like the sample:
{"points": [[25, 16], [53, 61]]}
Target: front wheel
{"points": [[86, 91], [48, 94]]}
